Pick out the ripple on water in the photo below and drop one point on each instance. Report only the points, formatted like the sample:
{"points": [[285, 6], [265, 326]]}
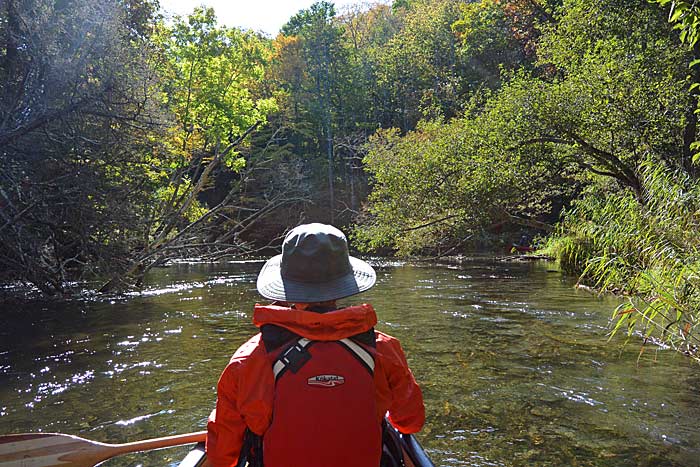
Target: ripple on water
{"points": [[457, 314], [141, 418], [45, 389], [190, 286], [119, 368]]}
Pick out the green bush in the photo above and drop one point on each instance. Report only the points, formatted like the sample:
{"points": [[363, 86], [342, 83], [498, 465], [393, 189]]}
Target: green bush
{"points": [[648, 249]]}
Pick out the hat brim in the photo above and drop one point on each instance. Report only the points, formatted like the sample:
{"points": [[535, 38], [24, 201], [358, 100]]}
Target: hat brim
{"points": [[273, 286]]}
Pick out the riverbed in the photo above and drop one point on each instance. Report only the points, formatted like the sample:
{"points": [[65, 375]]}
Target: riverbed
{"points": [[514, 362]]}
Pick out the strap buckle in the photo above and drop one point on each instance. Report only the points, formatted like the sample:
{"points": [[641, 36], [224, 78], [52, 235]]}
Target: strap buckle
{"points": [[295, 357]]}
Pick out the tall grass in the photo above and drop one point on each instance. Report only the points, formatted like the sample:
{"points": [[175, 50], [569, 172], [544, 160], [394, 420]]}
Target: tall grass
{"points": [[648, 250]]}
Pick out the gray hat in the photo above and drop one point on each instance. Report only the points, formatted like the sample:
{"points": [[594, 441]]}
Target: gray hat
{"points": [[314, 267]]}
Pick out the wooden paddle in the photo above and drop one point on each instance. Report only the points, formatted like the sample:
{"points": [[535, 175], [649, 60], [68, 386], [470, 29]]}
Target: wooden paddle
{"points": [[57, 450]]}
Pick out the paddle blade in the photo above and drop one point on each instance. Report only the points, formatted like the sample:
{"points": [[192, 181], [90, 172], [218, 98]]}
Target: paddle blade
{"points": [[50, 450]]}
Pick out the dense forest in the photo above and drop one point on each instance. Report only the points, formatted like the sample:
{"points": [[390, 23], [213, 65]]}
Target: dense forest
{"points": [[423, 127]]}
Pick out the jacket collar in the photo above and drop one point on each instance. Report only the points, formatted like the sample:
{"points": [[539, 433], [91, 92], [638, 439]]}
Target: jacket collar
{"points": [[331, 326]]}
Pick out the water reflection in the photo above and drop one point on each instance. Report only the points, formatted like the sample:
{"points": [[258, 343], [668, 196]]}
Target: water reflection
{"points": [[514, 362]]}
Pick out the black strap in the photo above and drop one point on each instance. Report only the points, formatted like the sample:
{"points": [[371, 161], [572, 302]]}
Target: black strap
{"points": [[392, 454], [293, 358], [251, 454]]}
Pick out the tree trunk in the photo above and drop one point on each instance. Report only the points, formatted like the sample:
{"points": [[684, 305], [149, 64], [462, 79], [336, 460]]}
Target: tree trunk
{"points": [[329, 148]]}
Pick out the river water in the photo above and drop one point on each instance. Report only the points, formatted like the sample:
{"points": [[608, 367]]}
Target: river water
{"points": [[515, 365]]}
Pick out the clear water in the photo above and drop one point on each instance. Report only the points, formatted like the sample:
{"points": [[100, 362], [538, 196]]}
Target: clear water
{"points": [[515, 365]]}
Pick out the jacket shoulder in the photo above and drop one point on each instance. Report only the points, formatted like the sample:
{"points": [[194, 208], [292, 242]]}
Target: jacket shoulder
{"points": [[250, 358], [252, 346], [386, 339], [389, 347]]}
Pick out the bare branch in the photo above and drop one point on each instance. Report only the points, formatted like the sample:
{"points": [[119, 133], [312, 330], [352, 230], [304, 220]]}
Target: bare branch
{"points": [[428, 224]]}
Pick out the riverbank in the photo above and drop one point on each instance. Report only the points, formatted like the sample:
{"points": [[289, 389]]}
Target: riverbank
{"points": [[648, 251]]}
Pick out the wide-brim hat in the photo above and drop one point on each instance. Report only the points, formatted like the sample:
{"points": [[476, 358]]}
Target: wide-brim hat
{"points": [[314, 266]]}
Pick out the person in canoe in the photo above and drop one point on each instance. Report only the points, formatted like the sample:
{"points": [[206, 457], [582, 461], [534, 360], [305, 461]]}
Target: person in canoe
{"points": [[314, 386]]}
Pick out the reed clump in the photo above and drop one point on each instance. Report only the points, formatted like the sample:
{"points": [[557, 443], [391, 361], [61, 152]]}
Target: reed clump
{"points": [[646, 249]]}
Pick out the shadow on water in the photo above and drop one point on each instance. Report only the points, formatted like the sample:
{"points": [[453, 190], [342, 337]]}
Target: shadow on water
{"points": [[514, 363]]}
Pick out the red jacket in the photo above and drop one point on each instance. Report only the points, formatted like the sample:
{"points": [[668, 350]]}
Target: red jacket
{"points": [[246, 387]]}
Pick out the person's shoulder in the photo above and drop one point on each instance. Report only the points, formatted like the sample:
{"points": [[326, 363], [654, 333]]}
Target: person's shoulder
{"points": [[252, 346], [248, 359], [386, 341], [384, 337]]}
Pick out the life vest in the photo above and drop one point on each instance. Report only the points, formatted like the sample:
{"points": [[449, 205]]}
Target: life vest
{"points": [[324, 409]]}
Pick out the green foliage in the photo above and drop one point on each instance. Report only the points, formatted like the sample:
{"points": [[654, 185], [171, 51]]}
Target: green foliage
{"points": [[324, 60], [571, 251], [415, 187], [418, 71], [686, 18], [613, 95], [438, 186], [649, 250], [210, 80], [210, 74], [378, 67], [607, 101], [305, 21], [163, 194], [491, 41]]}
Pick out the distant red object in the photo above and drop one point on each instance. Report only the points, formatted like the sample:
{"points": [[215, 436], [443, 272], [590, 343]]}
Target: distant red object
{"points": [[521, 248]]}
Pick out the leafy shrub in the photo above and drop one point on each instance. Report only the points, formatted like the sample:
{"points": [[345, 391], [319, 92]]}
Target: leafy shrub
{"points": [[647, 248]]}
